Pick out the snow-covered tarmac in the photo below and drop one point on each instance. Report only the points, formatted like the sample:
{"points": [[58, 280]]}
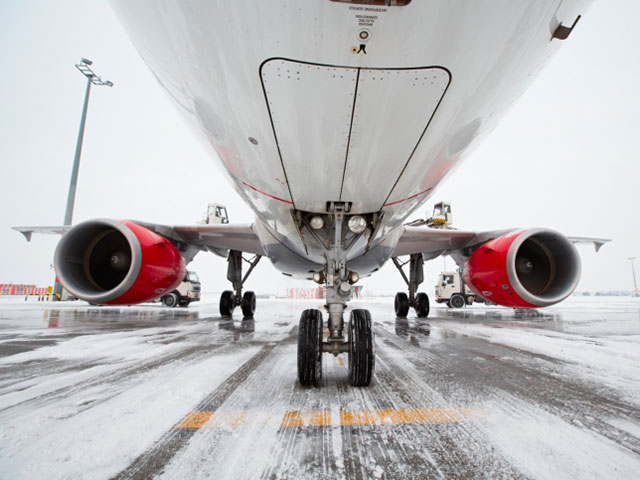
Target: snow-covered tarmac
{"points": [[143, 392]]}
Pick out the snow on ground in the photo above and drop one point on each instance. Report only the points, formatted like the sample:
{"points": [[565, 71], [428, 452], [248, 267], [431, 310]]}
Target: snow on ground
{"points": [[85, 395], [602, 356], [71, 424], [546, 447]]}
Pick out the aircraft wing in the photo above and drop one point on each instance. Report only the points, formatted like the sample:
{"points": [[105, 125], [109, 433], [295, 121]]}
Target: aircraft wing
{"points": [[29, 231], [433, 242], [190, 239], [216, 238], [597, 242]]}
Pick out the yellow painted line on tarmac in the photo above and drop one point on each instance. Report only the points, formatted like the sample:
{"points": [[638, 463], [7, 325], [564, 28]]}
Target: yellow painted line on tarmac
{"points": [[324, 418]]}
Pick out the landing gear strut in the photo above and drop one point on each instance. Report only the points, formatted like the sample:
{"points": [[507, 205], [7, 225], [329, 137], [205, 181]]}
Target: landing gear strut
{"points": [[419, 301], [229, 300]]}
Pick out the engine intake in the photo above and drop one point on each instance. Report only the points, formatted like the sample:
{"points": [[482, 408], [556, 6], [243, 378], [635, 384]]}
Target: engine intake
{"points": [[117, 262], [525, 268]]}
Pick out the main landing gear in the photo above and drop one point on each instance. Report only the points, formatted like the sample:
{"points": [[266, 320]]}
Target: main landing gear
{"points": [[229, 300], [419, 301]]}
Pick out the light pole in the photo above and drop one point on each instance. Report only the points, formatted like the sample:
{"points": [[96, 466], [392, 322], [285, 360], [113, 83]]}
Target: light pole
{"points": [[635, 285], [92, 79], [85, 68]]}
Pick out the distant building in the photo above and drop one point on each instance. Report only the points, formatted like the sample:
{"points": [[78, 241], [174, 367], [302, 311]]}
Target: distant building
{"points": [[315, 293], [21, 289]]}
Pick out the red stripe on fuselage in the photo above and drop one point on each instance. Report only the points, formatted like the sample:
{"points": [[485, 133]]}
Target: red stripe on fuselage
{"points": [[408, 198], [268, 195]]}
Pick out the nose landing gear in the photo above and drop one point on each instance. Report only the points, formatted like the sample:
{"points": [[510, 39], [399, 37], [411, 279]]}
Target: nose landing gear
{"points": [[359, 347]]}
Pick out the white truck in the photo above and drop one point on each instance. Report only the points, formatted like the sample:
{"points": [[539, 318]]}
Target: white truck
{"points": [[188, 291], [452, 290]]}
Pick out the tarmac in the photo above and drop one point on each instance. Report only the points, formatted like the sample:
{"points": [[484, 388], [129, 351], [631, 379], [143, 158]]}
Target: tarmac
{"points": [[482, 392]]}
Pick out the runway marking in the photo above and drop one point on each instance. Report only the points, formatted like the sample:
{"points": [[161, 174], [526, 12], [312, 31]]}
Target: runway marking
{"points": [[322, 418]]}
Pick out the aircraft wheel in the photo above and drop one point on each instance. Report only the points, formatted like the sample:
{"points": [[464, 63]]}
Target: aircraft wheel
{"points": [[170, 300], [226, 303], [361, 348], [401, 304], [457, 300], [310, 348], [422, 305], [248, 304]]}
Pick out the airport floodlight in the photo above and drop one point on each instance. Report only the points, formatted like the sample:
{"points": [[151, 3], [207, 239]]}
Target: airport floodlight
{"points": [[92, 78], [85, 68]]}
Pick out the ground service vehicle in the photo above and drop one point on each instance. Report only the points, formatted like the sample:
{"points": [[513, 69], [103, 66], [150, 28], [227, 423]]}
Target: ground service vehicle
{"points": [[452, 290], [186, 292], [334, 130]]}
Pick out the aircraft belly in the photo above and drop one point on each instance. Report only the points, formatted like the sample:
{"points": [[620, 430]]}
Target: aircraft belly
{"points": [[378, 122]]}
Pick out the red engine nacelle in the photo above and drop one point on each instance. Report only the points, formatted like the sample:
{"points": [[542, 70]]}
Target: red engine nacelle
{"points": [[117, 263], [524, 268]]}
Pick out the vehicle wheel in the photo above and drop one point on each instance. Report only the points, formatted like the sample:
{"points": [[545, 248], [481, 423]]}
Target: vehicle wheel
{"points": [[361, 350], [401, 304], [170, 300], [448, 304], [310, 348], [457, 300], [226, 303], [184, 303], [470, 299], [248, 304], [422, 305]]}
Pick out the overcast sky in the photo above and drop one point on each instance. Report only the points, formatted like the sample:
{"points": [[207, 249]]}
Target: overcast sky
{"points": [[565, 157]]}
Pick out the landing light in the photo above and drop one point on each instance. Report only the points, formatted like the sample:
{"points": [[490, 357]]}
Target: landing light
{"points": [[317, 222], [357, 224]]}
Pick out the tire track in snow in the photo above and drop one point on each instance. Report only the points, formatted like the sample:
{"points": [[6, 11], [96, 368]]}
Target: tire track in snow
{"points": [[152, 463]]}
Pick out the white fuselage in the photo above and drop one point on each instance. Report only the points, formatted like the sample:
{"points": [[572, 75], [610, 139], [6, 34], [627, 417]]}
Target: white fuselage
{"points": [[300, 115]]}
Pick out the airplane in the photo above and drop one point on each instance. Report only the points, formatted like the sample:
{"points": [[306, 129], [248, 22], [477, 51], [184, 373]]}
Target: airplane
{"points": [[334, 120]]}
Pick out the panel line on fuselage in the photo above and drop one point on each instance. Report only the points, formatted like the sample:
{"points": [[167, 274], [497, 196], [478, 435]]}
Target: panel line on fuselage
{"points": [[273, 128], [353, 110]]}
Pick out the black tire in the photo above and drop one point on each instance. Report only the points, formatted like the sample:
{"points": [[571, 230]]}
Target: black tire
{"points": [[170, 300], [470, 299], [422, 305], [401, 304], [361, 348], [184, 303], [456, 301], [226, 303], [248, 304], [310, 348], [448, 304]]}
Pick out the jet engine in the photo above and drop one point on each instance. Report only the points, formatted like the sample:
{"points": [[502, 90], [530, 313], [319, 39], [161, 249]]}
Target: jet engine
{"points": [[117, 262], [524, 268]]}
